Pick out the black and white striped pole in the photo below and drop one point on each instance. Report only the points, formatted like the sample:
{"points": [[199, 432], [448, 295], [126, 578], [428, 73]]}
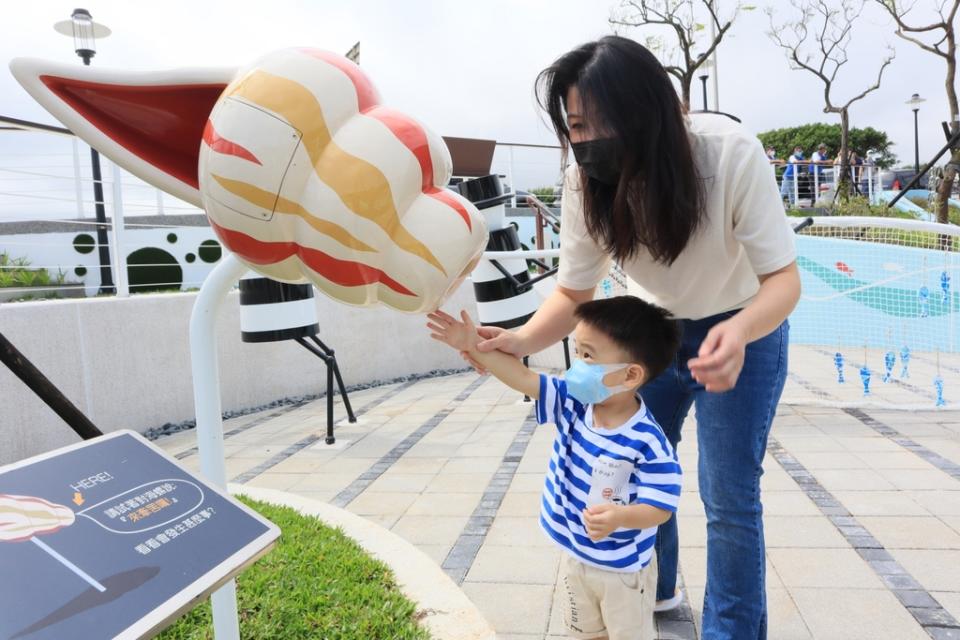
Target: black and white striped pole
{"points": [[503, 287], [272, 311], [504, 297]]}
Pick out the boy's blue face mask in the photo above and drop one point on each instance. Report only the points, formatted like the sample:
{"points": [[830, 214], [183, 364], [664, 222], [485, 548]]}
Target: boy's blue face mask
{"points": [[585, 381]]}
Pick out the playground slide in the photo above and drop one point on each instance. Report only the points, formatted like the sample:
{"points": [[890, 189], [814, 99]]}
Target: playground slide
{"points": [[904, 204], [925, 194]]}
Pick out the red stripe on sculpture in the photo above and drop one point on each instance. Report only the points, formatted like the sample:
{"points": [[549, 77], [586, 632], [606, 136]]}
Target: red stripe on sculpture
{"points": [[367, 96], [221, 145], [406, 129], [411, 134], [342, 272], [448, 199], [127, 114], [413, 137]]}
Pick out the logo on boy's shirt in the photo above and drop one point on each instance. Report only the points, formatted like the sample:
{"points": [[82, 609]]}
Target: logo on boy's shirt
{"points": [[609, 481]]}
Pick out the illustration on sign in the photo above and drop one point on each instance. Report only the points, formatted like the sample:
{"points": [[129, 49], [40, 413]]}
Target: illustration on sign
{"points": [[129, 539], [25, 517]]}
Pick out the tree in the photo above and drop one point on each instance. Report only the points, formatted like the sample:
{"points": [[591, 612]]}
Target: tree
{"points": [[679, 16], [817, 42], [808, 136], [944, 45]]}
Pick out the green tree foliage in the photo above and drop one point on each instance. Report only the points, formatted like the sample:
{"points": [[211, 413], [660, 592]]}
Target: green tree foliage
{"points": [[546, 195], [809, 136]]}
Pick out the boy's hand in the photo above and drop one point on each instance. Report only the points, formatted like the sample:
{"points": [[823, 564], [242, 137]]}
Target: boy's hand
{"points": [[601, 520], [460, 334]]}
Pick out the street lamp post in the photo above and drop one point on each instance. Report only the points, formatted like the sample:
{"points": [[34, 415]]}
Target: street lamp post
{"points": [[704, 68], [85, 32], [915, 101]]}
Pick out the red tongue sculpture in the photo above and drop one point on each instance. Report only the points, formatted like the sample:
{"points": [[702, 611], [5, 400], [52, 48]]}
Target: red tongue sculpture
{"points": [[162, 124]]}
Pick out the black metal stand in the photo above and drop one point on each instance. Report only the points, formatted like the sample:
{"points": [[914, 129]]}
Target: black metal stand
{"points": [[523, 287], [46, 390], [103, 246], [329, 358]]}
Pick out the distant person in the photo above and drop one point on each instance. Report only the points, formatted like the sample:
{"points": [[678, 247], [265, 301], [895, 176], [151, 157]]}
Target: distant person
{"points": [[790, 175], [774, 160], [854, 165], [818, 162], [856, 170], [867, 169]]}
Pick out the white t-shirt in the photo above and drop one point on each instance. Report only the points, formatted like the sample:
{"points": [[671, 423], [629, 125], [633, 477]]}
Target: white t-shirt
{"points": [[745, 232]]}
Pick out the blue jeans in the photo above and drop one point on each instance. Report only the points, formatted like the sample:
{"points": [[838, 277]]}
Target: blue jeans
{"points": [[786, 190], [732, 430]]}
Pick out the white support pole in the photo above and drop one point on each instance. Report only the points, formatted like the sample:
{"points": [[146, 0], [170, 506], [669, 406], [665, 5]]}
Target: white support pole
{"points": [[513, 186], [206, 398], [816, 184], [796, 185], [116, 239], [76, 178], [954, 273], [714, 82], [159, 202]]}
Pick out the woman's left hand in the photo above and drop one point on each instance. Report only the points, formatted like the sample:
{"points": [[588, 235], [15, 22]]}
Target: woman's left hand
{"points": [[720, 359]]}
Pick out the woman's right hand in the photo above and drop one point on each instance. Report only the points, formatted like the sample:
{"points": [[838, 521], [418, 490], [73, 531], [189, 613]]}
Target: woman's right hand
{"points": [[495, 338]]}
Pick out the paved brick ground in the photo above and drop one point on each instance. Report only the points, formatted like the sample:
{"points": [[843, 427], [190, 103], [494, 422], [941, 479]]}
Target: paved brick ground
{"points": [[862, 502]]}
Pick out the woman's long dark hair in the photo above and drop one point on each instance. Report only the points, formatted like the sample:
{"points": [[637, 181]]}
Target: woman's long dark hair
{"points": [[626, 93]]}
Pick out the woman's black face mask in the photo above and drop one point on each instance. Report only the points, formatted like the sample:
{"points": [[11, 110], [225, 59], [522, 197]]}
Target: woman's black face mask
{"points": [[599, 159]]}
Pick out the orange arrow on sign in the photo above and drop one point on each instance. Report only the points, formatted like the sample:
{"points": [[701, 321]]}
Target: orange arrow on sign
{"points": [[78, 499]]}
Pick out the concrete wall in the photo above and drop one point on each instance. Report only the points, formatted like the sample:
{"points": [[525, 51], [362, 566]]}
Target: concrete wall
{"points": [[125, 362]]}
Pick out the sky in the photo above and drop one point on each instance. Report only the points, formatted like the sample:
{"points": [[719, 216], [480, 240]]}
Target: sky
{"points": [[464, 68]]}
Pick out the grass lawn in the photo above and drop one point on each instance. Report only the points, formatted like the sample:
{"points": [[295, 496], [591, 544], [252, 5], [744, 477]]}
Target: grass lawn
{"points": [[953, 213], [316, 583]]}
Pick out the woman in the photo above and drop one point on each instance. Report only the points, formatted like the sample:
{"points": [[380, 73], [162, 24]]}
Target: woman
{"points": [[686, 205], [855, 165]]}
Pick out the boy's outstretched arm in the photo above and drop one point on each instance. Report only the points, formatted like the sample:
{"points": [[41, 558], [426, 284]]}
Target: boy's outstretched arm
{"points": [[462, 335]]}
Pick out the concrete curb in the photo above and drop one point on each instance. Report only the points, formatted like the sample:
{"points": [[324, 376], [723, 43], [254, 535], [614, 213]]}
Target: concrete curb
{"points": [[450, 615]]}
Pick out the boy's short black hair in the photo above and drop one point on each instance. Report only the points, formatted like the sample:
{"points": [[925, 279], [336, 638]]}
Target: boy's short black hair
{"points": [[646, 332]]}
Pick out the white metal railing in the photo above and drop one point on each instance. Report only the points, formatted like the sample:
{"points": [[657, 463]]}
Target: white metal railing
{"points": [[46, 182], [809, 182], [527, 164]]}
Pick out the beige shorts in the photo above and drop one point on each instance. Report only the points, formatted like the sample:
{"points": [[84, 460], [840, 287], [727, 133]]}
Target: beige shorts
{"points": [[601, 603]]}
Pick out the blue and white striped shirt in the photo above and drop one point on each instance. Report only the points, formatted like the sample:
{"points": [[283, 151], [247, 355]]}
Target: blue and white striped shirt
{"points": [[630, 464]]}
